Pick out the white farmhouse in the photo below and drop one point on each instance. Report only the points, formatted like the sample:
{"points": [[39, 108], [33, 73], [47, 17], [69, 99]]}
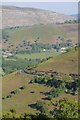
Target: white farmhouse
{"points": [[44, 50], [63, 49]]}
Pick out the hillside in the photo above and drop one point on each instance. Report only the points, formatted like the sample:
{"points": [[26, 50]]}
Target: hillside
{"points": [[14, 16], [65, 63], [42, 33], [22, 99]]}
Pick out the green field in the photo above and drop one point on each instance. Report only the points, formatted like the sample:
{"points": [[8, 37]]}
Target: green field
{"points": [[39, 55], [22, 61]]}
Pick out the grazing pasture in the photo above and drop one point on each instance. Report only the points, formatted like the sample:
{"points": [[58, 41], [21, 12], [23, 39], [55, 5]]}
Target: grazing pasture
{"points": [[21, 101], [66, 63], [13, 39], [20, 95], [39, 55]]}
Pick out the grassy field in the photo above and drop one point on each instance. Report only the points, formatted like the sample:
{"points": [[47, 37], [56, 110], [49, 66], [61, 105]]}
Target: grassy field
{"points": [[39, 55], [22, 61], [21, 101], [66, 63]]}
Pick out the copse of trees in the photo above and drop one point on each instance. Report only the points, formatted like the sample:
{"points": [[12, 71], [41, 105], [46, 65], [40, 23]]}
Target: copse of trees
{"points": [[61, 42], [66, 108], [72, 21], [41, 106], [59, 84], [26, 116]]}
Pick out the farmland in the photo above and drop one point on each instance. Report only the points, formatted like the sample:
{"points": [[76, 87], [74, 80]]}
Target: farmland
{"points": [[41, 55]]}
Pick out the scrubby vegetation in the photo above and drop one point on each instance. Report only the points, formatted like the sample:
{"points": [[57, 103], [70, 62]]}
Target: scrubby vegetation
{"points": [[64, 109], [59, 83]]}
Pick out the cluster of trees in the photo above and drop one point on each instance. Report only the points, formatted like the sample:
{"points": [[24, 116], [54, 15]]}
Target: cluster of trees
{"points": [[26, 116], [63, 43], [37, 47], [55, 92], [72, 21], [64, 109], [41, 106], [59, 84]]}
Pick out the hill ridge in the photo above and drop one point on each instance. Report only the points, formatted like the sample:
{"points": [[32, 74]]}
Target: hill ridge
{"points": [[16, 16]]}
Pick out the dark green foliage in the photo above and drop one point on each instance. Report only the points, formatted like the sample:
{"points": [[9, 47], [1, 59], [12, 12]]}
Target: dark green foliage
{"points": [[66, 108], [37, 47], [40, 80], [72, 21], [55, 92], [47, 80], [59, 85], [25, 116], [40, 105], [62, 43]]}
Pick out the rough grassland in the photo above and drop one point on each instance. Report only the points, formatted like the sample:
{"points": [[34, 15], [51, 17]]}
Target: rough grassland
{"points": [[46, 33], [21, 101], [66, 63]]}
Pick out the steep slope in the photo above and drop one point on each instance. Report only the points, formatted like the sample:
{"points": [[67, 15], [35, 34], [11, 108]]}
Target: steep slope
{"points": [[14, 16], [65, 63], [42, 33]]}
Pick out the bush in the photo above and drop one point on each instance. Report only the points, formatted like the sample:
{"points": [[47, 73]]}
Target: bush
{"points": [[40, 105]]}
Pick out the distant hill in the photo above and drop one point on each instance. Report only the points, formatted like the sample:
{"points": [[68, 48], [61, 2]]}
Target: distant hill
{"points": [[76, 16], [15, 16], [42, 33]]}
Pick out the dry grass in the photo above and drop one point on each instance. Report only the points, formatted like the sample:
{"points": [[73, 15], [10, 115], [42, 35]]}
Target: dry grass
{"points": [[66, 63], [21, 100]]}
